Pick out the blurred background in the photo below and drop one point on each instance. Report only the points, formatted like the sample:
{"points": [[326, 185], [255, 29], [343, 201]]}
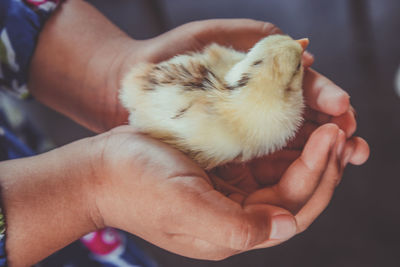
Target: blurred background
{"points": [[356, 43]]}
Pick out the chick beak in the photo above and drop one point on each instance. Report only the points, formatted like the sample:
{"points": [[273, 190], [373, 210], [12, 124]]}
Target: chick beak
{"points": [[304, 43]]}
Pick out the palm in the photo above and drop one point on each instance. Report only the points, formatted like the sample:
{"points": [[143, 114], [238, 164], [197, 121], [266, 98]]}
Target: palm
{"points": [[258, 173]]}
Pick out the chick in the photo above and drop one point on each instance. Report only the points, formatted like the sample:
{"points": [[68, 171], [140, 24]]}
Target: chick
{"points": [[220, 104]]}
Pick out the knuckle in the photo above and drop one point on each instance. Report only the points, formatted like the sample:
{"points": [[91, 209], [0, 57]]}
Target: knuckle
{"points": [[242, 235]]}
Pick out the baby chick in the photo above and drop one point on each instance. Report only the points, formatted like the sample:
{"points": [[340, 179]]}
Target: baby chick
{"points": [[221, 105]]}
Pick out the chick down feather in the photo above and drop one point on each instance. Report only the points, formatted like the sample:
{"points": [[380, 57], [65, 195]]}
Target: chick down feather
{"points": [[220, 104]]}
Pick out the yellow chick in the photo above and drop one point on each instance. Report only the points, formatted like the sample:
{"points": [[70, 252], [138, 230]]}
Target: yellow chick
{"points": [[221, 105]]}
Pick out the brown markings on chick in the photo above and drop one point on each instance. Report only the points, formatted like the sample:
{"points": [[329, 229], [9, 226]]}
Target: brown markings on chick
{"points": [[144, 75], [199, 78], [243, 80], [190, 77], [152, 80], [161, 75], [182, 111], [241, 83], [258, 62]]}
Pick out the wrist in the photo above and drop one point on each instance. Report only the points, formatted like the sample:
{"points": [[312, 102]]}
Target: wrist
{"points": [[76, 64], [79, 161], [120, 165], [123, 53], [45, 202]]}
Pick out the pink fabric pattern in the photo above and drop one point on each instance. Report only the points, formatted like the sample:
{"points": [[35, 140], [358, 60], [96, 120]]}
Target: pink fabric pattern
{"points": [[43, 5], [103, 241], [41, 2]]}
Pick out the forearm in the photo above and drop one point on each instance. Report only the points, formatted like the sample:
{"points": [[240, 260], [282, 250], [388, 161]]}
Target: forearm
{"points": [[45, 203], [77, 65]]}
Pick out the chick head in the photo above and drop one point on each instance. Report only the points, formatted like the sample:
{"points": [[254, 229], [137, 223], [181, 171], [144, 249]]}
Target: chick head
{"points": [[273, 65], [267, 87]]}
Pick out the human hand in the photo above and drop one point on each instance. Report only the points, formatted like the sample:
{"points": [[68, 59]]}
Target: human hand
{"points": [[145, 187], [193, 219], [325, 101]]}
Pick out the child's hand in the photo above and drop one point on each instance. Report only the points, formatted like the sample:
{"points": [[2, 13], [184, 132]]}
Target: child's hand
{"points": [[152, 190]]}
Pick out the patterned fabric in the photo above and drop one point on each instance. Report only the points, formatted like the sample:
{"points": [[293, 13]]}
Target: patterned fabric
{"points": [[112, 248], [3, 258], [20, 24]]}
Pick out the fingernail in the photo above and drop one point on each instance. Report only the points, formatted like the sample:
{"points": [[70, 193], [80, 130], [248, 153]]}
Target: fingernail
{"points": [[347, 155], [308, 55], [283, 227]]}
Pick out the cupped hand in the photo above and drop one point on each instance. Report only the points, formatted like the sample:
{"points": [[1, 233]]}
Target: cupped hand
{"points": [[174, 204], [145, 187]]}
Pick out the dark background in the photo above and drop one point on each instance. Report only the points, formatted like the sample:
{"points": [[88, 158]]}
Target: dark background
{"points": [[356, 44]]}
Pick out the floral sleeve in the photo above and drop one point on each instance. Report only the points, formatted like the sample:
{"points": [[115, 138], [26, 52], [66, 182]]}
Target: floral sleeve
{"points": [[20, 24]]}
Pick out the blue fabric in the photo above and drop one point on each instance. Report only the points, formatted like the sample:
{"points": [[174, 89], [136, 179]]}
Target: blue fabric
{"points": [[14, 147], [19, 29], [3, 258]]}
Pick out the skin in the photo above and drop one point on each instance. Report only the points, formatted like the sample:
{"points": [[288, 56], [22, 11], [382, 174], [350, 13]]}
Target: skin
{"points": [[129, 181]]}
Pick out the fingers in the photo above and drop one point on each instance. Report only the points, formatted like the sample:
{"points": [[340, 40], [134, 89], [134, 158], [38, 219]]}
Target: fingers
{"points": [[347, 122], [323, 95], [356, 151], [282, 226], [302, 177], [240, 34], [307, 59], [321, 165], [324, 192], [328, 102], [212, 217]]}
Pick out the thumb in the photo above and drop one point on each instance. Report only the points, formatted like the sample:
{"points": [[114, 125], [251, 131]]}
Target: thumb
{"points": [[280, 223], [219, 220]]}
